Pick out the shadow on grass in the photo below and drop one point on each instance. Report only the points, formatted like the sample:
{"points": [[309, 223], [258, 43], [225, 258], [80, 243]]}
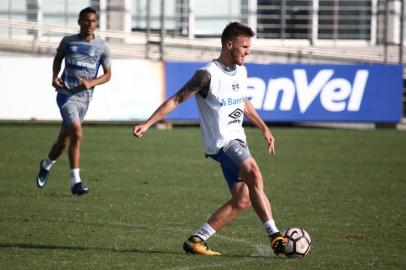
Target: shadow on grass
{"points": [[118, 250], [83, 248]]}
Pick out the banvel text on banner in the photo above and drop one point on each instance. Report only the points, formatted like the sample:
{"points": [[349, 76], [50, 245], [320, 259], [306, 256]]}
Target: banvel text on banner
{"points": [[297, 92]]}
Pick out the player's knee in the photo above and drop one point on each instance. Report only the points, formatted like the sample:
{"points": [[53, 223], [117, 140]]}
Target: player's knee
{"points": [[76, 135], [254, 175], [61, 143], [242, 203]]}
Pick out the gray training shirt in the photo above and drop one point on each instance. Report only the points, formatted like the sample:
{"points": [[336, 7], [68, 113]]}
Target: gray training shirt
{"points": [[82, 61]]}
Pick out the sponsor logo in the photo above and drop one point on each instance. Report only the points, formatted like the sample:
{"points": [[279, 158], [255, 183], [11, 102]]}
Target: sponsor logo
{"points": [[238, 152], [231, 101], [334, 94], [78, 63], [235, 115], [74, 48]]}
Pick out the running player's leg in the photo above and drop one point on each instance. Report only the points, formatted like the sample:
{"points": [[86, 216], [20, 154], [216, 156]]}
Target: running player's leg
{"points": [[74, 112], [72, 109], [76, 136], [56, 150], [224, 215], [239, 201], [230, 165], [251, 174], [233, 208], [60, 144]]}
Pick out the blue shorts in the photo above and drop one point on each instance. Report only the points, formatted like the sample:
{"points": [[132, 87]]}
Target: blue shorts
{"points": [[230, 158]]}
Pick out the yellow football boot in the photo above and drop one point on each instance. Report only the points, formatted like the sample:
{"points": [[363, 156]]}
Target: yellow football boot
{"points": [[278, 243], [196, 245]]}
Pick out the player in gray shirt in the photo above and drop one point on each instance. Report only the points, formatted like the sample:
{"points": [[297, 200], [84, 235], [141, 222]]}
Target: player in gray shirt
{"points": [[83, 54]]}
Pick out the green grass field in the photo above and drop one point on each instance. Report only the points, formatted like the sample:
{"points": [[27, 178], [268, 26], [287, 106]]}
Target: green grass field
{"points": [[345, 187]]}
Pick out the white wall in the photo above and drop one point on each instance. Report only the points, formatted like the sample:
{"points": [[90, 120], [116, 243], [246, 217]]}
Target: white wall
{"points": [[135, 90]]}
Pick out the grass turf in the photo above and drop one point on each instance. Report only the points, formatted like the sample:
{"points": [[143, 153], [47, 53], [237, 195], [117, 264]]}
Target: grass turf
{"points": [[345, 187]]}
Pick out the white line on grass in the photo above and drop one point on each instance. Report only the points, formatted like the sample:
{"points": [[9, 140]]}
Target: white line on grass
{"points": [[260, 249], [261, 252]]}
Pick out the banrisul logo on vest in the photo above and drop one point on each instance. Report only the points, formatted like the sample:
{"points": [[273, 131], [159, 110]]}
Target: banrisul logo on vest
{"points": [[296, 92], [326, 92]]}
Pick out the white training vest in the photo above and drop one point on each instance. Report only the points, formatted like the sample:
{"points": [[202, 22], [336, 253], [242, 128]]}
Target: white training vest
{"points": [[222, 111]]}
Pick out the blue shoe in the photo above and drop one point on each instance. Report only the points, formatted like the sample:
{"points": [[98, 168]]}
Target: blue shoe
{"points": [[79, 189], [42, 177]]}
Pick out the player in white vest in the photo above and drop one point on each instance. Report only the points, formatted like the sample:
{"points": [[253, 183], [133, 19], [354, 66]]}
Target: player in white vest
{"points": [[220, 89]]}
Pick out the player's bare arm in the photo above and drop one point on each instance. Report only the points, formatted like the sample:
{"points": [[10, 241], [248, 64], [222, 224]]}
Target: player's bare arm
{"points": [[88, 84], [254, 118], [199, 83], [56, 68]]}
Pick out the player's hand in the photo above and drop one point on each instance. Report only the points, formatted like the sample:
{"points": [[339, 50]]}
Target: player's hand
{"points": [[57, 82], [271, 142], [84, 84], [139, 130]]}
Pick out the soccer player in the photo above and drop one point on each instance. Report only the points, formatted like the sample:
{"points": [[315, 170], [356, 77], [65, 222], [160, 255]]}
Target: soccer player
{"points": [[220, 89], [83, 54]]}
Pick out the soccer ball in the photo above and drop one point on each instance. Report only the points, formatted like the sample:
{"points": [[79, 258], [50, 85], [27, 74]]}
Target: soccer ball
{"points": [[299, 242]]}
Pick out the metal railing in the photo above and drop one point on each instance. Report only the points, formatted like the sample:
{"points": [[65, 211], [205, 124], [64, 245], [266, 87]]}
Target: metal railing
{"points": [[181, 48], [294, 30]]}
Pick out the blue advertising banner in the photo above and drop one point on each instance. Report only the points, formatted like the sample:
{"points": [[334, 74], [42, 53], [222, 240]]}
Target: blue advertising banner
{"points": [[296, 92]]}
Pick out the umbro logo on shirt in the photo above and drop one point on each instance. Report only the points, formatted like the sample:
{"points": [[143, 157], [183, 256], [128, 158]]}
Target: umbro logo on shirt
{"points": [[235, 115], [92, 52]]}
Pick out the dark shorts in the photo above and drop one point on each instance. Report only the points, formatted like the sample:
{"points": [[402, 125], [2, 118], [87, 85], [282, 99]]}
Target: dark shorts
{"points": [[230, 157]]}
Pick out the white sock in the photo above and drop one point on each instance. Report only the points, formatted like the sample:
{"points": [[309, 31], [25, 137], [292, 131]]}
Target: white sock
{"points": [[270, 227], [205, 232], [47, 163], [74, 176]]}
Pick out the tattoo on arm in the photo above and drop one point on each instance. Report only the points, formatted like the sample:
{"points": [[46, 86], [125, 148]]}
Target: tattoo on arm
{"points": [[199, 83]]}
